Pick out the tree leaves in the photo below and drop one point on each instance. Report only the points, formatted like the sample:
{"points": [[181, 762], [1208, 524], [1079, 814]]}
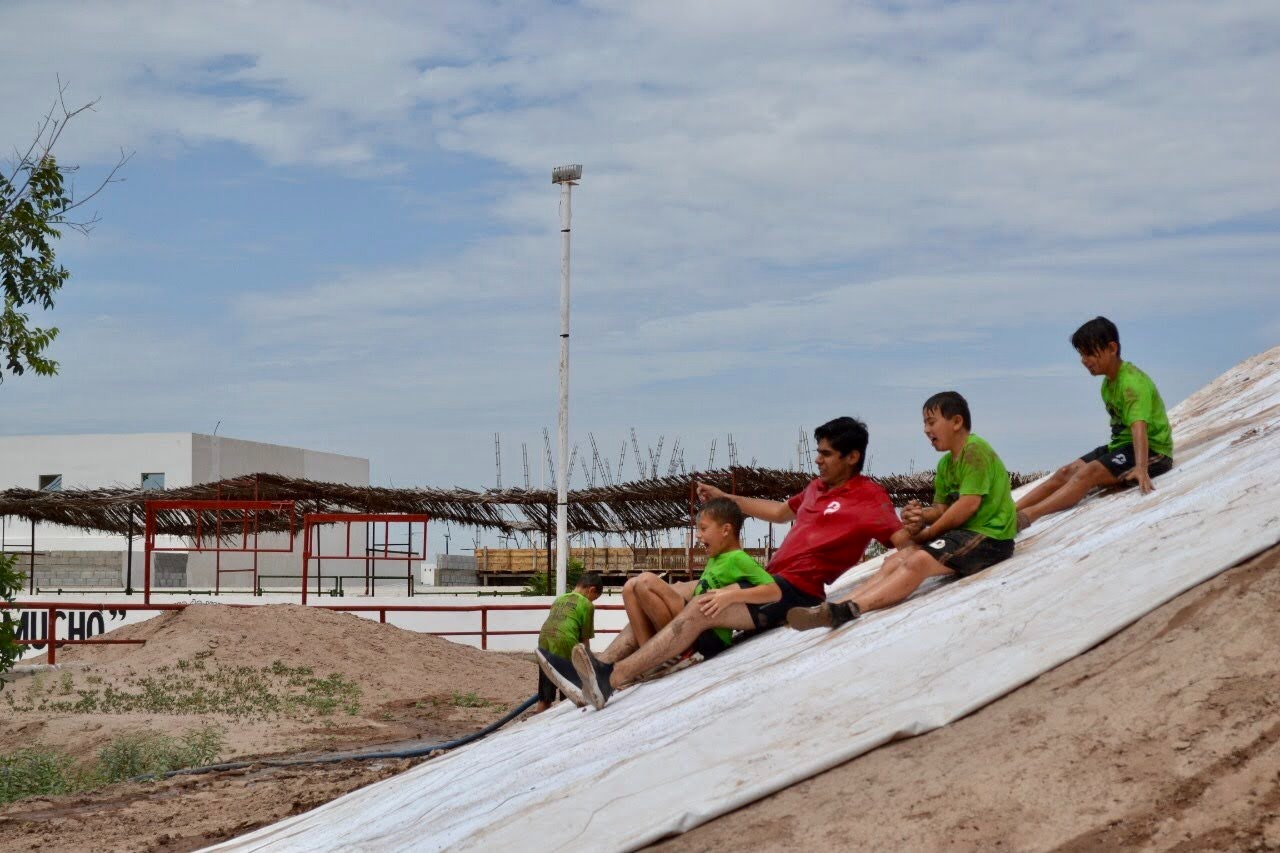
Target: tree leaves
{"points": [[29, 271]]}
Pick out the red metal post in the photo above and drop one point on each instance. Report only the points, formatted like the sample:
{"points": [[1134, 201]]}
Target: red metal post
{"points": [[149, 543], [484, 628], [50, 635], [306, 558]]}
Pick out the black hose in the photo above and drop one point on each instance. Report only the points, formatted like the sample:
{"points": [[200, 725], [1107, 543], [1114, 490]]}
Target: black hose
{"points": [[334, 759]]}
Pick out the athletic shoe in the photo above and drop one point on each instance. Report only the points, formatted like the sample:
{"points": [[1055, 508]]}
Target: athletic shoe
{"points": [[831, 614], [1024, 521], [563, 676], [594, 674]]}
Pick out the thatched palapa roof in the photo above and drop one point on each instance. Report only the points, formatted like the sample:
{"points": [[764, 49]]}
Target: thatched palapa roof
{"points": [[645, 505]]}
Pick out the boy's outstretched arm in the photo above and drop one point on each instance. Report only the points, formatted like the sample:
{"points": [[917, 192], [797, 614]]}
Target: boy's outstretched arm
{"points": [[1140, 449], [955, 515]]}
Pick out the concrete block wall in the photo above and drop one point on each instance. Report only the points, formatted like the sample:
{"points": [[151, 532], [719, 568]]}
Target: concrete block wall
{"points": [[170, 571], [77, 569]]}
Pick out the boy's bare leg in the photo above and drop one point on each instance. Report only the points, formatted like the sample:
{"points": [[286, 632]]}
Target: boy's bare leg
{"points": [[662, 602], [887, 588], [674, 639], [897, 585], [1084, 479], [637, 614], [622, 645], [651, 603], [883, 577], [1055, 481]]}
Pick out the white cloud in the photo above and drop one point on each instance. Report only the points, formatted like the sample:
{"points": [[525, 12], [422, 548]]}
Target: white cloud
{"points": [[769, 188]]}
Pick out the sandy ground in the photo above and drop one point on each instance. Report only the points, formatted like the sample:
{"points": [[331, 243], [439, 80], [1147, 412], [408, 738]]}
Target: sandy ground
{"points": [[1165, 737], [414, 689]]}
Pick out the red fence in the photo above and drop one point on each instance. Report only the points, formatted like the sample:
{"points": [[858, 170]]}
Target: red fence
{"points": [[53, 608], [370, 557]]}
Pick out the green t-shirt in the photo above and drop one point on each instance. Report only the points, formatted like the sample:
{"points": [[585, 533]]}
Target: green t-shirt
{"points": [[727, 569], [978, 471], [1133, 397], [571, 621]]}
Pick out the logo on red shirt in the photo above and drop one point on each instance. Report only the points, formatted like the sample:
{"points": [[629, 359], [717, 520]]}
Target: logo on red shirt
{"points": [[834, 506]]}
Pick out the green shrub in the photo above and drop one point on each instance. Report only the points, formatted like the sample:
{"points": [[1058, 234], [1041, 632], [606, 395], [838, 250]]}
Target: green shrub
{"points": [[35, 772], [537, 584], [153, 752], [10, 585]]}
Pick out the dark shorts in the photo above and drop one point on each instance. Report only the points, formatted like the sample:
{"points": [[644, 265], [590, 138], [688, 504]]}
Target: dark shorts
{"points": [[709, 644], [774, 613], [966, 552], [1120, 461], [547, 691]]}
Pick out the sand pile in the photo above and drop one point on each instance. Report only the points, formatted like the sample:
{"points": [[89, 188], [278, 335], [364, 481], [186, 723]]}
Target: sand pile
{"points": [[1165, 737], [392, 684], [413, 689], [389, 663]]}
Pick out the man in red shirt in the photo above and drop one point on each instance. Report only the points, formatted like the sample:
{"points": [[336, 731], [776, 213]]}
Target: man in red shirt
{"points": [[836, 517]]}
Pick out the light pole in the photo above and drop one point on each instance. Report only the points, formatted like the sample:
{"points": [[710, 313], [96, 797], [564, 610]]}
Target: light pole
{"points": [[567, 177]]}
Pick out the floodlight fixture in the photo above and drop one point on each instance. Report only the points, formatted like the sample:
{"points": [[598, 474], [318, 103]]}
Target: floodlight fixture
{"points": [[566, 174]]}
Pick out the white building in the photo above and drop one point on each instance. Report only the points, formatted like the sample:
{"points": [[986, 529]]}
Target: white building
{"points": [[77, 558]]}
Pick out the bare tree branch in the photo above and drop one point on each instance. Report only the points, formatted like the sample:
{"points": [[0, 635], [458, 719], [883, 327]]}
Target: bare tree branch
{"points": [[48, 131]]}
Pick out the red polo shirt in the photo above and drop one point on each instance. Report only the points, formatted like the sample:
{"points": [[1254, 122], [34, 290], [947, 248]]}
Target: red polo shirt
{"points": [[832, 530]]}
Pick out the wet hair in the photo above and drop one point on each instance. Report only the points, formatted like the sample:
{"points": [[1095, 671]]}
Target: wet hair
{"points": [[1094, 336], [949, 404], [590, 579], [724, 511], [845, 435]]}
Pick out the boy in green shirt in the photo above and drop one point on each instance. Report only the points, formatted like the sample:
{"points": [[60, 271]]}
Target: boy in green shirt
{"points": [[969, 527], [571, 621], [651, 602], [1141, 445]]}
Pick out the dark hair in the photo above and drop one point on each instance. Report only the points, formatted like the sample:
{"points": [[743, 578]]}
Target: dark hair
{"points": [[1094, 336], [845, 435], [586, 580], [724, 511], [949, 404]]}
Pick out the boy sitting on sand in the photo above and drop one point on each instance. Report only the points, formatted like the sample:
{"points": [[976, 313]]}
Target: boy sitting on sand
{"points": [[652, 603], [571, 621], [969, 527], [1141, 445]]}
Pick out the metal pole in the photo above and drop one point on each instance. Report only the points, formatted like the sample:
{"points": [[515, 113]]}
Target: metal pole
{"points": [[128, 572], [562, 479]]}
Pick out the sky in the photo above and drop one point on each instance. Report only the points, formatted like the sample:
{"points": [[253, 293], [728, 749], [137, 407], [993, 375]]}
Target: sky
{"points": [[337, 229]]}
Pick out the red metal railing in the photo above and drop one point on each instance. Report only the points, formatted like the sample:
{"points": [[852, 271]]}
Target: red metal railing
{"points": [[224, 538], [52, 608], [370, 557]]}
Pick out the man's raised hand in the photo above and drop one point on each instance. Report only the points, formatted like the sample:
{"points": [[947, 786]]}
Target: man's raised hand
{"points": [[708, 492]]}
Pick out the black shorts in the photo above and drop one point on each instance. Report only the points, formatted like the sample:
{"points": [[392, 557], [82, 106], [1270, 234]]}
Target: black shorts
{"points": [[547, 691], [1120, 461], [967, 553], [709, 644], [774, 613]]}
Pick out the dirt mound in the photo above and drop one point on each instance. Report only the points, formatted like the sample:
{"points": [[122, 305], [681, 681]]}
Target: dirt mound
{"points": [[1165, 737], [211, 664], [389, 663], [274, 678]]}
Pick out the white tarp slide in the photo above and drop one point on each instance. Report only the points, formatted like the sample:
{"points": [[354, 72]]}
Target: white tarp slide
{"points": [[668, 755]]}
